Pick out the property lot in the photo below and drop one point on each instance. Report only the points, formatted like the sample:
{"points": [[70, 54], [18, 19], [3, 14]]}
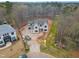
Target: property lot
{"points": [[33, 43], [13, 50]]}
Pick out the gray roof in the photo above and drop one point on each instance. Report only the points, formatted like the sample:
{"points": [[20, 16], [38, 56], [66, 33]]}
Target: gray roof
{"points": [[37, 21], [5, 28]]}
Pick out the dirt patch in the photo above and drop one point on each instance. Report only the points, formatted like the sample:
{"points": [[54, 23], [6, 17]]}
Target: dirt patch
{"points": [[74, 54]]}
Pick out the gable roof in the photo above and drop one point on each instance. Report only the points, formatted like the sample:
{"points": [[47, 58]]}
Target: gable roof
{"points": [[5, 28], [38, 21]]}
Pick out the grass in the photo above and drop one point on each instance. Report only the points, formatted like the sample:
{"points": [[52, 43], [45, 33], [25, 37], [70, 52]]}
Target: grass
{"points": [[26, 47], [50, 47], [56, 52]]}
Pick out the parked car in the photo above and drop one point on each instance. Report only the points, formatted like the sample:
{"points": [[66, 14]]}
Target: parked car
{"points": [[27, 38], [23, 56]]}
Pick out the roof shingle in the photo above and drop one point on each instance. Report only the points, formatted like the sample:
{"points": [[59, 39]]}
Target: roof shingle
{"points": [[5, 28]]}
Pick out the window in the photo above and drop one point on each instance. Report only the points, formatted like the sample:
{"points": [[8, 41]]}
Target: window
{"points": [[1, 42], [40, 25], [36, 31], [35, 27], [30, 24], [41, 29], [45, 26], [29, 28], [45, 29], [3, 34], [12, 33]]}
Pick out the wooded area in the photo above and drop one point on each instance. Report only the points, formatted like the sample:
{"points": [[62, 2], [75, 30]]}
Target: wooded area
{"points": [[66, 15]]}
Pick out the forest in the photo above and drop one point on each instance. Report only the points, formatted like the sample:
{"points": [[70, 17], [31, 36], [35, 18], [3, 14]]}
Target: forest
{"points": [[65, 15]]}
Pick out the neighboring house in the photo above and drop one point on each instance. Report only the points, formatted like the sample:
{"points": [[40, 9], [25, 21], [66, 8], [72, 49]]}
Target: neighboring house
{"points": [[7, 34], [39, 25]]}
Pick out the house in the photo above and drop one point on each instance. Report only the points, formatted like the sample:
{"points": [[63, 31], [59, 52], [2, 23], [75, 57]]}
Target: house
{"points": [[39, 25], [7, 34]]}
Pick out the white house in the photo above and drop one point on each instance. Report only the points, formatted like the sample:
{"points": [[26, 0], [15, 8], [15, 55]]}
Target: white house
{"points": [[7, 34], [39, 25], [45, 27]]}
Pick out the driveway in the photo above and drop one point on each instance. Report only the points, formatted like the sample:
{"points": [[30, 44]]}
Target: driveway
{"points": [[34, 45], [35, 51], [38, 55]]}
